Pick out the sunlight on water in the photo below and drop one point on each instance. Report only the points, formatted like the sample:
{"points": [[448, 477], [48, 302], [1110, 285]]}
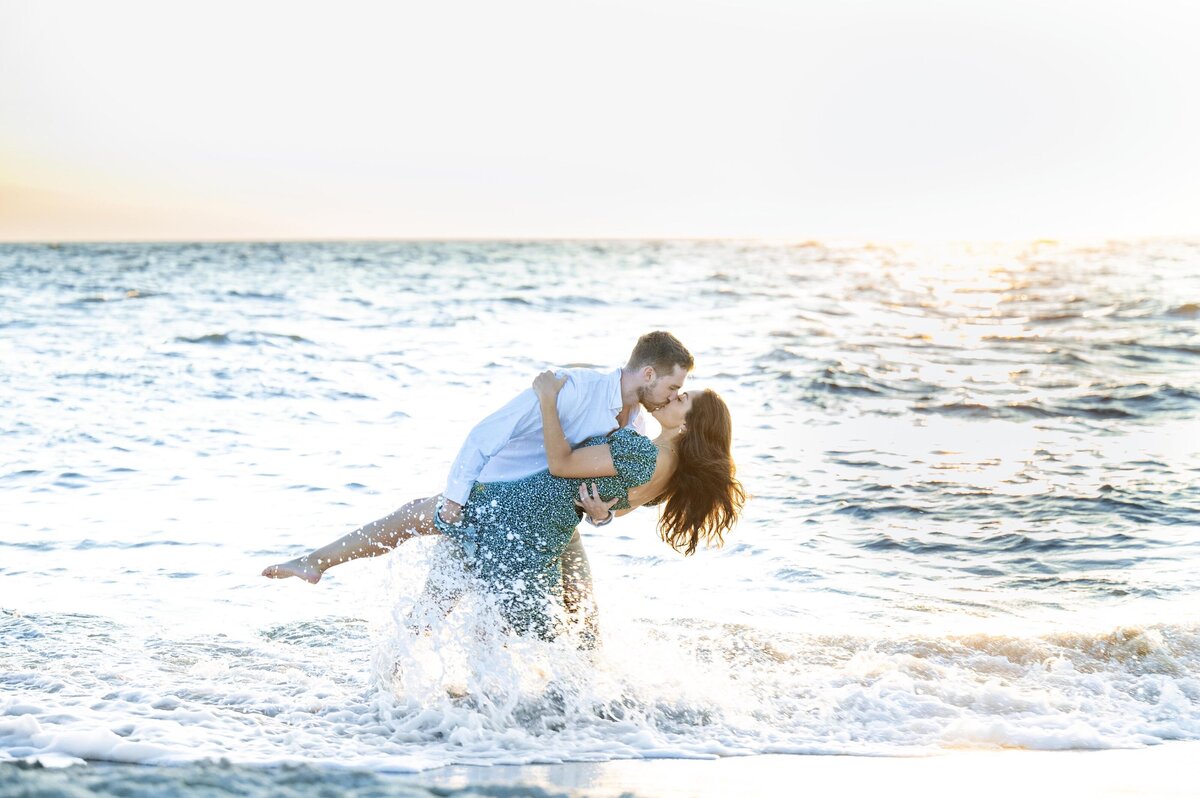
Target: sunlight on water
{"points": [[973, 521]]}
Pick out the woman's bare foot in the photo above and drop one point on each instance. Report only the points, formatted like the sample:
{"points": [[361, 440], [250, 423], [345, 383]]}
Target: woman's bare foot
{"points": [[299, 567]]}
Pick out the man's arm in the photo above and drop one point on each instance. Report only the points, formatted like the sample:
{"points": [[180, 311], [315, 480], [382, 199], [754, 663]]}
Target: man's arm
{"points": [[519, 417]]}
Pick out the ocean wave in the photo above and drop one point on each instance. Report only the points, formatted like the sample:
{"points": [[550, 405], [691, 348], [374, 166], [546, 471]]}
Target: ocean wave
{"points": [[1137, 401], [121, 296], [736, 689], [247, 338], [941, 504], [1136, 346], [88, 544], [842, 379], [1189, 310], [270, 297]]}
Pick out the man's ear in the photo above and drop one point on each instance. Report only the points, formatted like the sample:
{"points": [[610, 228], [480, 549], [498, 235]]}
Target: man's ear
{"points": [[648, 374]]}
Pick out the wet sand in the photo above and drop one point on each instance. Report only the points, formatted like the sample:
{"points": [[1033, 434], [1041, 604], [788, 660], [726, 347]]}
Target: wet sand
{"points": [[1158, 771]]}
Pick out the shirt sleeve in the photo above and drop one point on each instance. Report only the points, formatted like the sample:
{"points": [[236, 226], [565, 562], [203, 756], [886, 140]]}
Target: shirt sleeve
{"points": [[634, 457], [521, 416]]}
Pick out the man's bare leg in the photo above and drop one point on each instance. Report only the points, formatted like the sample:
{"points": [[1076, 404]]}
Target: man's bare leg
{"points": [[376, 538], [578, 596]]}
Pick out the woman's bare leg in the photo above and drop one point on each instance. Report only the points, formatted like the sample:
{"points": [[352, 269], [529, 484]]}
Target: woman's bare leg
{"points": [[578, 597], [377, 537]]}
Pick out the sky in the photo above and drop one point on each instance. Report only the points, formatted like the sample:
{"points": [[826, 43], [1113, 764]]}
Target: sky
{"points": [[793, 119]]}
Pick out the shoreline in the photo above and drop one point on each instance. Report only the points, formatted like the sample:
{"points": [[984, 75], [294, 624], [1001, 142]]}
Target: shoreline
{"points": [[1154, 771]]}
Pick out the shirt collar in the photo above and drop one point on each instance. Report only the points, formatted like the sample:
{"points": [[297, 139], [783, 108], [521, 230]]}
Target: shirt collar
{"points": [[614, 392], [616, 403]]}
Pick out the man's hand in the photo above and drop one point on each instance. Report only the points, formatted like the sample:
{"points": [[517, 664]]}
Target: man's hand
{"points": [[590, 500], [449, 511]]}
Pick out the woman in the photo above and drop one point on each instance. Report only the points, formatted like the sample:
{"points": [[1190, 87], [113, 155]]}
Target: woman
{"points": [[514, 533]]}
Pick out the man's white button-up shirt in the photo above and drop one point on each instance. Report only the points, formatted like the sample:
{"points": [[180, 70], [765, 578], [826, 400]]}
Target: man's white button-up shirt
{"points": [[508, 444]]}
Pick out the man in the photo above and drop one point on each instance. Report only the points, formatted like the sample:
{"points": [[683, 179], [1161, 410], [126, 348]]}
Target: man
{"points": [[507, 445]]}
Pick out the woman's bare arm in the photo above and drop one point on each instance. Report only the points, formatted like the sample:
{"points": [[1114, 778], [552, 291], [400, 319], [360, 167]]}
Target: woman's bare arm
{"points": [[588, 461]]}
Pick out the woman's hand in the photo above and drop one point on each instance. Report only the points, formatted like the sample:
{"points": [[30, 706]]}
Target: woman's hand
{"points": [[547, 385], [597, 509]]}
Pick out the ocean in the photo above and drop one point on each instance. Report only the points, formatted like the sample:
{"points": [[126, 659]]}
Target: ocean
{"points": [[974, 519]]}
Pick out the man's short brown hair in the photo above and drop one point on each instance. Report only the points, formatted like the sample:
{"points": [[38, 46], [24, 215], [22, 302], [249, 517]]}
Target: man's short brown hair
{"points": [[661, 350]]}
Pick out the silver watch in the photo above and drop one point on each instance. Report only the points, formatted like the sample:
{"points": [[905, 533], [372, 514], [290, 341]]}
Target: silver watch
{"points": [[611, 516]]}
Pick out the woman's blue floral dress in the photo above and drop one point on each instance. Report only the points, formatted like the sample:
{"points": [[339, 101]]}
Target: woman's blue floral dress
{"points": [[513, 533]]}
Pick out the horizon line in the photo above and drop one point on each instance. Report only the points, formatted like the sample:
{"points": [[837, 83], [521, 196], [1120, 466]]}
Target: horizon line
{"points": [[794, 241]]}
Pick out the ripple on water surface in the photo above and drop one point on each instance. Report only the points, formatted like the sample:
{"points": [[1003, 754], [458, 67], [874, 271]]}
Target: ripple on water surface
{"points": [[972, 467]]}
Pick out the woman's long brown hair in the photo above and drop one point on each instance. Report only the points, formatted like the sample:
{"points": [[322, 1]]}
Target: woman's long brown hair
{"points": [[704, 498]]}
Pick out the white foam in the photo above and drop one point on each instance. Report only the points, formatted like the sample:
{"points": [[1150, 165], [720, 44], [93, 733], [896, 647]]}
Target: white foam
{"points": [[465, 695]]}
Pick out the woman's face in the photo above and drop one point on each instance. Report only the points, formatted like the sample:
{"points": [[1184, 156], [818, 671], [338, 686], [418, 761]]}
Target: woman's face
{"points": [[674, 413]]}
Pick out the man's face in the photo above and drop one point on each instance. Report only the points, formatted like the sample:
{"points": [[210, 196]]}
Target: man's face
{"points": [[660, 390]]}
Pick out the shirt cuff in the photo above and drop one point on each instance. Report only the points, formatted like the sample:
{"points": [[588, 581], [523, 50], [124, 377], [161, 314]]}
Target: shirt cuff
{"points": [[458, 491]]}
